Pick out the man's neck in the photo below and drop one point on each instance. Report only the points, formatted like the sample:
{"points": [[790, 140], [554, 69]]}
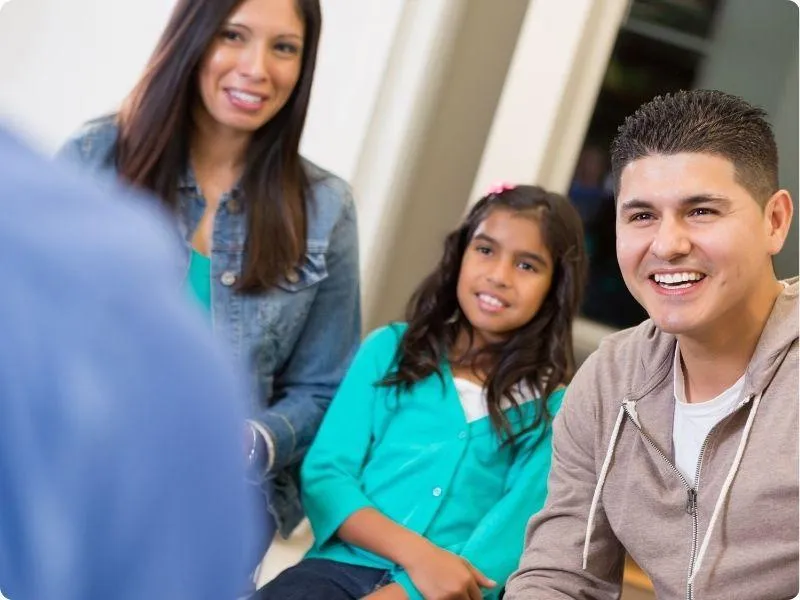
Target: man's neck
{"points": [[713, 361]]}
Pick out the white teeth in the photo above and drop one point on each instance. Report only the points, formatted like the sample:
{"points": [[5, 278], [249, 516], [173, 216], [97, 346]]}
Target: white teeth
{"points": [[677, 278], [245, 97], [491, 300]]}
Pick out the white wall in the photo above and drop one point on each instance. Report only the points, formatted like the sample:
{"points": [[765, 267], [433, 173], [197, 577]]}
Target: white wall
{"points": [[767, 77], [63, 62], [357, 39]]}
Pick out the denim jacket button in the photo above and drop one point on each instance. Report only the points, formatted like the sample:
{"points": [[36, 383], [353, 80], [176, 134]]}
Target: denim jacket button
{"points": [[234, 207], [228, 278], [292, 276]]}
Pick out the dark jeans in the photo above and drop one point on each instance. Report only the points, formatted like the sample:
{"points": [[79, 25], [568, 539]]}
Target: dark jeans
{"points": [[318, 579]]}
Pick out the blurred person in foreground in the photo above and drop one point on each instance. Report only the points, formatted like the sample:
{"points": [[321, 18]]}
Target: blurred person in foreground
{"points": [[121, 473]]}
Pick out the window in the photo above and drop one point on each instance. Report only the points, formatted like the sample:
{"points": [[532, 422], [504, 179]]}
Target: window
{"points": [[743, 47]]}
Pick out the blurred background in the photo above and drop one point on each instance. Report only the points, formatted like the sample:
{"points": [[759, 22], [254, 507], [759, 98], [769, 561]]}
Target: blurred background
{"points": [[421, 104]]}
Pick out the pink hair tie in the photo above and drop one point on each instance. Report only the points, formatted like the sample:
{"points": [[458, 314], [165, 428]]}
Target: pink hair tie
{"points": [[500, 186]]}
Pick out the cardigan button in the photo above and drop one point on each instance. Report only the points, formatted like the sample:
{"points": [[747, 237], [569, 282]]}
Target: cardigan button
{"points": [[437, 491]]}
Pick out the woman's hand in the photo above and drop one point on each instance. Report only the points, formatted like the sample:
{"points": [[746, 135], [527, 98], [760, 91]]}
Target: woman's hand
{"points": [[442, 575]]}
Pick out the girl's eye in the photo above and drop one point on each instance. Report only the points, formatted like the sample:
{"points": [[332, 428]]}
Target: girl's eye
{"points": [[527, 267], [483, 250]]}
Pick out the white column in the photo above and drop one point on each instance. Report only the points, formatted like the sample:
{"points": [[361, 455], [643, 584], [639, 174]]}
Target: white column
{"points": [[396, 130], [357, 41], [63, 62], [550, 91]]}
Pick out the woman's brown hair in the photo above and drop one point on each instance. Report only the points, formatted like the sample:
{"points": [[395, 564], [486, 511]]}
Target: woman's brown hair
{"points": [[155, 125]]}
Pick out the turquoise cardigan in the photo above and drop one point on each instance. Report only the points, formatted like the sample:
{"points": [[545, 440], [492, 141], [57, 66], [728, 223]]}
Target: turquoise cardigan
{"points": [[413, 457]]}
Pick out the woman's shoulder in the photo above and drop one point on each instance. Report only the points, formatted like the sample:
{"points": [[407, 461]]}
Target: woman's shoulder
{"points": [[327, 189], [92, 144], [330, 203]]}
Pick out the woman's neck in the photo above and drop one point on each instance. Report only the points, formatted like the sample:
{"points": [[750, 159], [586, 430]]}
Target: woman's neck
{"points": [[214, 147]]}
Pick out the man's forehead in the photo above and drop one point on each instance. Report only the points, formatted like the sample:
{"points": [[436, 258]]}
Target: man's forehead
{"points": [[677, 176]]}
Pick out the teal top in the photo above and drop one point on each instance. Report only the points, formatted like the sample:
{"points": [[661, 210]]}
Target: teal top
{"points": [[413, 456], [198, 280]]}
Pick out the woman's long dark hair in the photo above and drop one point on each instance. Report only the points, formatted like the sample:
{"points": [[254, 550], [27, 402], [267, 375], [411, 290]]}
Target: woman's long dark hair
{"points": [[155, 124], [540, 353]]}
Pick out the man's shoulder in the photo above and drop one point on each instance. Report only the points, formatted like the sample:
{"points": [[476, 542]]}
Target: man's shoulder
{"points": [[624, 362]]}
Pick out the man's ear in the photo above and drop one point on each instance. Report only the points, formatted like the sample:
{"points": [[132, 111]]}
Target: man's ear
{"points": [[777, 218]]}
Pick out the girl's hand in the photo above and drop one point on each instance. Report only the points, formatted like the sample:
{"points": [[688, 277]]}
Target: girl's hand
{"points": [[442, 575]]}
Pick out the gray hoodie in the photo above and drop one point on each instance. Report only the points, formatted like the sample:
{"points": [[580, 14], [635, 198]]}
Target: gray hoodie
{"points": [[613, 485]]}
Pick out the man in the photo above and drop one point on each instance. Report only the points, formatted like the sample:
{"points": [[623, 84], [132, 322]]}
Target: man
{"points": [[678, 439], [121, 473]]}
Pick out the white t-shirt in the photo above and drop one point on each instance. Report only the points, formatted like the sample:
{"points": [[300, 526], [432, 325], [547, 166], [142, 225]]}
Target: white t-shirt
{"points": [[473, 398], [692, 422]]}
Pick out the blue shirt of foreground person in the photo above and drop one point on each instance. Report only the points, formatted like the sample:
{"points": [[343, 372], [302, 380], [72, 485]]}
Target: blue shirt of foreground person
{"points": [[121, 473]]}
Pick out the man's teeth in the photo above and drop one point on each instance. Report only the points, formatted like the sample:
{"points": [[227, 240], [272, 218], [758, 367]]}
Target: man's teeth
{"points": [[677, 278], [245, 97], [490, 300]]}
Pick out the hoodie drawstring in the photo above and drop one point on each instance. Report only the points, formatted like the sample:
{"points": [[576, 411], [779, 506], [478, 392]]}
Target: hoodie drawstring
{"points": [[723, 494], [599, 487]]}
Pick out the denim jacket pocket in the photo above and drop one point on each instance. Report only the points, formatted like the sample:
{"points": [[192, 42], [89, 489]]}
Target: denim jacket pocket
{"points": [[311, 272]]}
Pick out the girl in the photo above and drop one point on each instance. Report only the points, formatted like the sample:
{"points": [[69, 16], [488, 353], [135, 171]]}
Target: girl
{"points": [[436, 449], [212, 129]]}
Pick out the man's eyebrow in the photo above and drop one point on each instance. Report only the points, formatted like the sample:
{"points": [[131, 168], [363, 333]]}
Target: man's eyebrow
{"points": [[639, 204], [636, 204]]}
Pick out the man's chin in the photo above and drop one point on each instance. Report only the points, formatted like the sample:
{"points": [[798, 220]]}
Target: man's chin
{"points": [[675, 324]]}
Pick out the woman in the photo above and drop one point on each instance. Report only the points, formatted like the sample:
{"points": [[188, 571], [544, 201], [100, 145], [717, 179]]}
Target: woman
{"points": [[212, 129]]}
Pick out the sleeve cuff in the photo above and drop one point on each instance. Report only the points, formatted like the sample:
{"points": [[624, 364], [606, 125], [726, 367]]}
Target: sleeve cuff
{"points": [[325, 516], [282, 435]]}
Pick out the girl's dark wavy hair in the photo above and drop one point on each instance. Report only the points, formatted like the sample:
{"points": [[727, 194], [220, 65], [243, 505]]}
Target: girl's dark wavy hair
{"points": [[540, 353]]}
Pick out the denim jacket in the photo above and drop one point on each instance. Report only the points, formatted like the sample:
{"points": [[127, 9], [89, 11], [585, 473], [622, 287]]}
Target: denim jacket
{"points": [[295, 340]]}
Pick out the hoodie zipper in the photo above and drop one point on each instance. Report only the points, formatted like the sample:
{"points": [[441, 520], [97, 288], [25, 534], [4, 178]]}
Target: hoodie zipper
{"points": [[691, 508], [691, 493]]}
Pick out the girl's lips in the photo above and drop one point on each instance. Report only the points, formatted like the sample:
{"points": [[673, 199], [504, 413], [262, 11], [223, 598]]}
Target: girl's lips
{"points": [[491, 303]]}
